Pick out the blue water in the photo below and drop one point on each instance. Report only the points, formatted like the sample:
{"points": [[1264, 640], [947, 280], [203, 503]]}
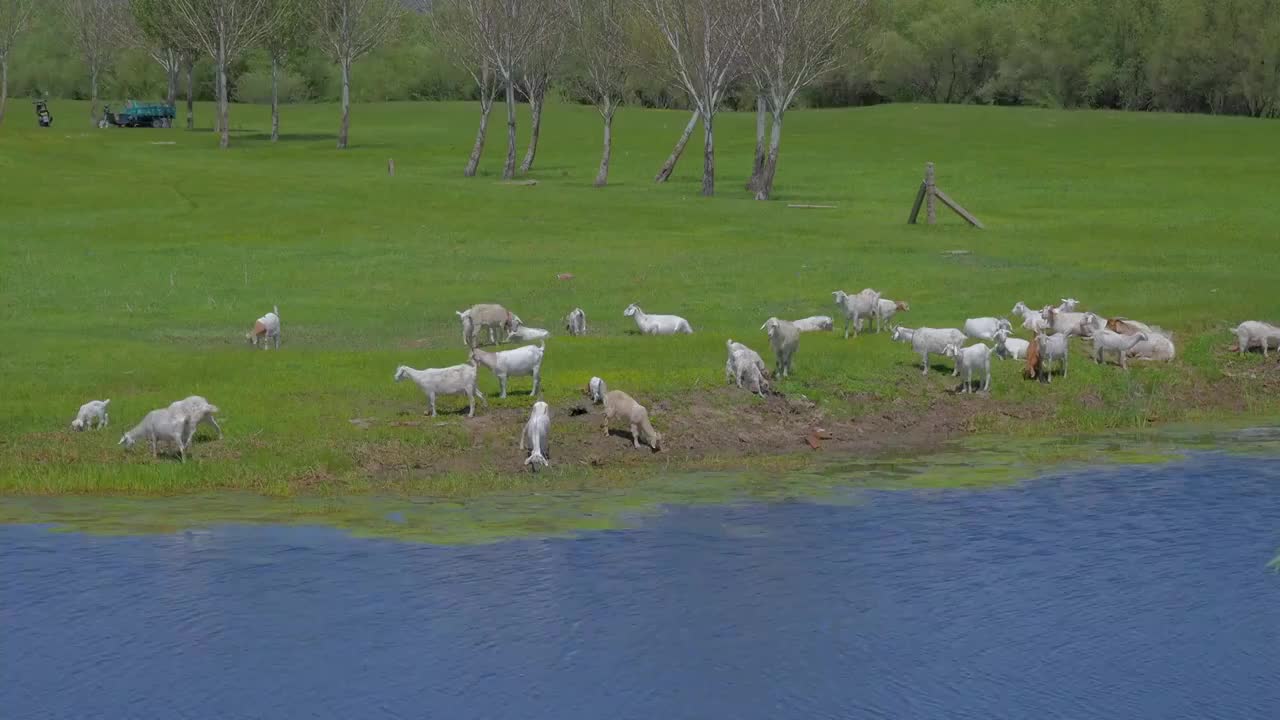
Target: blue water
{"points": [[1123, 593]]}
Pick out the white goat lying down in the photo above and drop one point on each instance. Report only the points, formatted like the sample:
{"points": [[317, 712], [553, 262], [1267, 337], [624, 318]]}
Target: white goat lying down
{"points": [[163, 424], [94, 411], [453, 380], [985, 328], [814, 323], [197, 410], [535, 435], [1105, 341], [657, 324], [266, 330], [596, 390], [525, 360], [1010, 347], [886, 309], [930, 340], [1053, 347], [745, 367], [527, 334], [970, 359], [856, 307], [1254, 333], [1157, 348], [486, 316], [576, 322], [622, 405]]}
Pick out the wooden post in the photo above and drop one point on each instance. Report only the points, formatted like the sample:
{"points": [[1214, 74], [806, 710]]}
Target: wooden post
{"points": [[930, 201], [391, 167]]}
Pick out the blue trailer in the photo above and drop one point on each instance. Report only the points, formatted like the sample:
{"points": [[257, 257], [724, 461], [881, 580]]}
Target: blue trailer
{"points": [[135, 114]]}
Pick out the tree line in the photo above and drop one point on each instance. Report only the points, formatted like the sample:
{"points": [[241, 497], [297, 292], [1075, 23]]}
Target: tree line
{"points": [[1215, 56]]}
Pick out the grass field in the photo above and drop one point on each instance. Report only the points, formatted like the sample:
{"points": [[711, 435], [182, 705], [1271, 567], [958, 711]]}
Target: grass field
{"points": [[133, 261]]}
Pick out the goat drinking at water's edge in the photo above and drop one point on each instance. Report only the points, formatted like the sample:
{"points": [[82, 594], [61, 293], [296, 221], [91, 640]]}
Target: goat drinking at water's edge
{"points": [[856, 307], [1105, 341], [453, 380], [657, 324], [622, 405], [886, 309], [970, 359], [266, 330], [91, 412], [536, 436], [525, 360], [576, 322], [163, 424]]}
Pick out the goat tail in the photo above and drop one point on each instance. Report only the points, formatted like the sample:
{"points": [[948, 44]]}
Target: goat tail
{"points": [[106, 402], [276, 309]]}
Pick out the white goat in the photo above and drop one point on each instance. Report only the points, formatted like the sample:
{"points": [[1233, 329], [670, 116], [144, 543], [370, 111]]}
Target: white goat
{"points": [[162, 424], [814, 323], [784, 338], [886, 309], [1032, 320], [969, 359], [1090, 324], [1157, 348], [1252, 333], [1010, 347], [622, 405], [657, 324], [1105, 341], [903, 334], [856, 307], [484, 316], [197, 410], [596, 390], [985, 328], [527, 334], [1053, 347], [576, 322], [931, 340], [536, 432], [738, 352], [453, 380], [1065, 323], [525, 360], [91, 412], [1068, 305], [266, 330], [1125, 326]]}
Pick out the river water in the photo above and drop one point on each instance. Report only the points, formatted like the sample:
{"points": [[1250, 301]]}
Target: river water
{"points": [[1131, 592]]}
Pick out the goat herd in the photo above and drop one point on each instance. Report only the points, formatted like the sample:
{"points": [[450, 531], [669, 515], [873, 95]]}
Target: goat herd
{"points": [[1051, 328]]}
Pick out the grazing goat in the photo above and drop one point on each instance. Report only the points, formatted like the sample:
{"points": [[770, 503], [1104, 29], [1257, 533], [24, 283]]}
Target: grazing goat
{"points": [[814, 323], [527, 334], [1052, 347], [622, 405], [162, 424], [525, 360], [197, 410], [91, 412], [784, 338], [596, 390], [985, 328], [1010, 347], [1031, 319], [930, 340], [969, 359], [453, 380], [657, 324], [1252, 333], [576, 322], [856, 307], [536, 432], [886, 309], [266, 330], [484, 316], [745, 367], [1105, 341]]}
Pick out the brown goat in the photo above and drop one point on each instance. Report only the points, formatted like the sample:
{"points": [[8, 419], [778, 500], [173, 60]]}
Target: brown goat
{"points": [[1032, 370]]}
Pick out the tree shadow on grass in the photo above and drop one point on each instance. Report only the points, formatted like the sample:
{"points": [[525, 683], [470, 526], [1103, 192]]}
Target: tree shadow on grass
{"points": [[258, 136]]}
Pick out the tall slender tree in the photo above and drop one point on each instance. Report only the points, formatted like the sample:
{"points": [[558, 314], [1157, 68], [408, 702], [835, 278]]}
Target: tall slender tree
{"points": [[704, 41], [461, 28], [147, 30], [538, 71], [15, 18], [284, 39], [349, 30], [96, 29], [600, 54], [224, 30]]}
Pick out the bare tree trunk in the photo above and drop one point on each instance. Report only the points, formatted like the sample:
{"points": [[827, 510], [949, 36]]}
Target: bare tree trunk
{"points": [[708, 156], [764, 188], [4, 86], [275, 99], [191, 93], [509, 169], [174, 66], [93, 97], [224, 120], [535, 127], [346, 104], [476, 150], [757, 167], [670, 165], [602, 177]]}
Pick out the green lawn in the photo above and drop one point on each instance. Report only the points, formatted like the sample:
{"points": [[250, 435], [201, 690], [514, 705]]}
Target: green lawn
{"points": [[131, 267]]}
